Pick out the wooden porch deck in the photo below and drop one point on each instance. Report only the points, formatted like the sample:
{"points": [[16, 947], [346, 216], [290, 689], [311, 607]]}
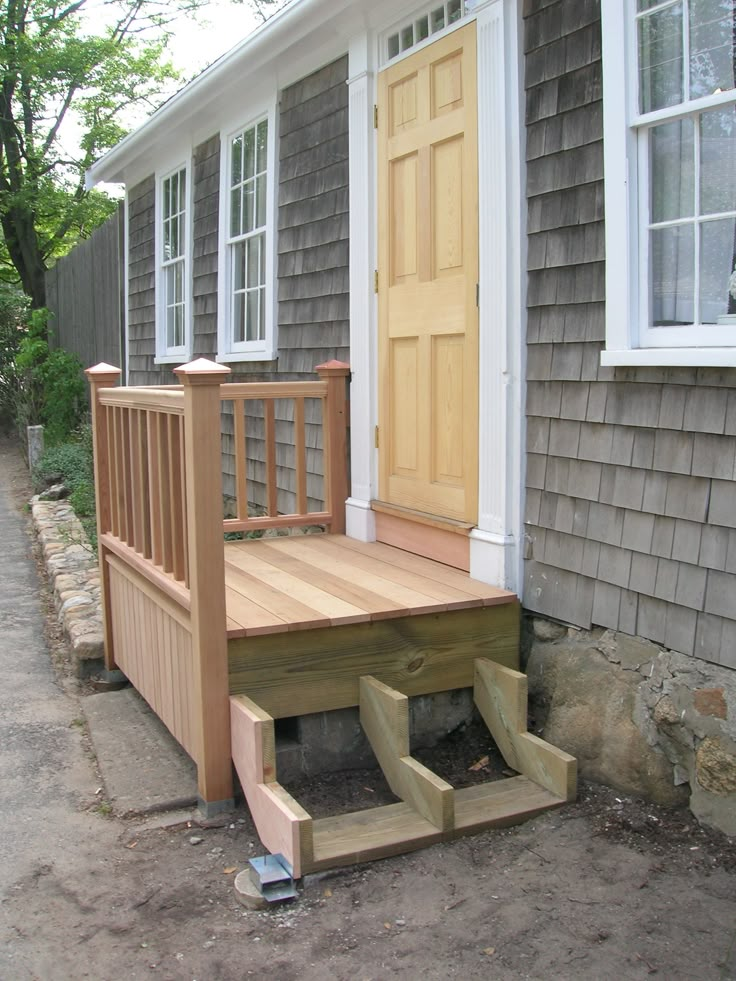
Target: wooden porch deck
{"points": [[305, 582], [224, 637]]}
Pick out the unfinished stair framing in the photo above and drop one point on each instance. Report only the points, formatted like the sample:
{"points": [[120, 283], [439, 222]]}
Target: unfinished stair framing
{"points": [[430, 810]]}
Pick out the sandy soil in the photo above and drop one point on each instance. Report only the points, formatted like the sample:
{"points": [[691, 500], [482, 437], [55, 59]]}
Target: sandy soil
{"points": [[607, 888]]}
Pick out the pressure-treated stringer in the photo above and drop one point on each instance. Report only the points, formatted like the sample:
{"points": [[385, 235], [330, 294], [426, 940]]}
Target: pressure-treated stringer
{"points": [[431, 810]]}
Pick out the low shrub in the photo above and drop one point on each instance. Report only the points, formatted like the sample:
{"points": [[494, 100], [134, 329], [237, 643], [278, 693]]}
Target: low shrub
{"points": [[51, 387], [72, 463]]}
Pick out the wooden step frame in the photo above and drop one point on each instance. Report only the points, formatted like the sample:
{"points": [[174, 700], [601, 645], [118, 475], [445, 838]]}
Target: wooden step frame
{"points": [[431, 809]]}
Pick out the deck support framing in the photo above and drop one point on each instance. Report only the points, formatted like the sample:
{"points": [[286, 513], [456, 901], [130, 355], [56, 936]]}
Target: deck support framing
{"points": [[431, 809]]}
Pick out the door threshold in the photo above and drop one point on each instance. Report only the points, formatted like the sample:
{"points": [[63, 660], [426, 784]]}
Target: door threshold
{"points": [[424, 518], [442, 539]]}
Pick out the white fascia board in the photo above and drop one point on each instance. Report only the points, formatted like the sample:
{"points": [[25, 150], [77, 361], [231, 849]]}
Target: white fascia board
{"points": [[311, 25]]}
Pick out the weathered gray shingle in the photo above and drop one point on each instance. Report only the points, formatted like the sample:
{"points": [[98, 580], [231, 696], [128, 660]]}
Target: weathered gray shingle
{"points": [[705, 410], [679, 630]]}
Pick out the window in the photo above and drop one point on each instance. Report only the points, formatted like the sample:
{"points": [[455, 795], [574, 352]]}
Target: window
{"points": [[431, 21], [173, 328], [246, 329], [670, 164]]}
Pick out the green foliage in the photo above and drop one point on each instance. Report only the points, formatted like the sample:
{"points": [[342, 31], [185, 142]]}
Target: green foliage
{"points": [[73, 462], [64, 66], [13, 312], [70, 460], [50, 385]]}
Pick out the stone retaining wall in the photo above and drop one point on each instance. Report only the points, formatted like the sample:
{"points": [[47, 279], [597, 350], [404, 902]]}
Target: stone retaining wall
{"points": [[646, 720], [74, 578]]}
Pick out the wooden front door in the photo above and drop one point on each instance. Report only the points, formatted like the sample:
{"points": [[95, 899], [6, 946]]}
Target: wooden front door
{"points": [[427, 280]]}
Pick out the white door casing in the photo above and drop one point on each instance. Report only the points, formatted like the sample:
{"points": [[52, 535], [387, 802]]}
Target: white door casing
{"points": [[496, 545]]}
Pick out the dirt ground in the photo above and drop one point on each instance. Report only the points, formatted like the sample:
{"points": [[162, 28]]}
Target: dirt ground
{"points": [[606, 888]]}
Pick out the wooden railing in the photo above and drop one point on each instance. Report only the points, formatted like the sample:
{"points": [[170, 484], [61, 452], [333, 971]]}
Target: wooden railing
{"points": [[330, 391], [158, 486], [144, 476]]}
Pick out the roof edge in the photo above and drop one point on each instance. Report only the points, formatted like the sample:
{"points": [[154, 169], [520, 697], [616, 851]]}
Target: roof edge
{"points": [[275, 32]]}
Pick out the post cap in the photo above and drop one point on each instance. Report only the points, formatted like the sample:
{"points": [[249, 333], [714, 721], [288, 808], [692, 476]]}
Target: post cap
{"points": [[102, 371], [333, 368], [202, 371]]}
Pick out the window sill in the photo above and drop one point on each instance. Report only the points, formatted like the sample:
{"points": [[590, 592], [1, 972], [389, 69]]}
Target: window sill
{"points": [[244, 356], [685, 357], [172, 358]]}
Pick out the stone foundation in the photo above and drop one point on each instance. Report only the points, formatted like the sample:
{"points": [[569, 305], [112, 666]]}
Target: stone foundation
{"points": [[329, 741], [639, 718]]}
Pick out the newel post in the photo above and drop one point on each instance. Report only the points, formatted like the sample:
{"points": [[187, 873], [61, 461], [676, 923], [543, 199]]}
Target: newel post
{"points": [[203, 468], [335, 427], [102, 376]]}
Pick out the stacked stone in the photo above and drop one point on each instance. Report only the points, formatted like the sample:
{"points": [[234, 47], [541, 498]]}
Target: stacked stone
{"points": [[645, 720], [71, 564]]}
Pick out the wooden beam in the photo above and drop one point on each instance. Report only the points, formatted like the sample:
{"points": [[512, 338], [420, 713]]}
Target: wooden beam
{"points": [[282, 824], [501, 696], [206, 567], [334, 441], [99, 377], [384, 716], [319, 669]]}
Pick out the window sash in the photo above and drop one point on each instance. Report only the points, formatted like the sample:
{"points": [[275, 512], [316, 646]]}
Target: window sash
{"points": [[247, 238], [688, 305], [173, 307]]}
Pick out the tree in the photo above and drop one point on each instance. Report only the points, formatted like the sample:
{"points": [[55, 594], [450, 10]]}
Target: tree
{"points": [[83, 64]]}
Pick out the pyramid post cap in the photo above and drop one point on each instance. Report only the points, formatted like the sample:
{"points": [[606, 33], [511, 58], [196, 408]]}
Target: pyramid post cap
{"points": [[202, 370], [102, 369], [333, 367]]}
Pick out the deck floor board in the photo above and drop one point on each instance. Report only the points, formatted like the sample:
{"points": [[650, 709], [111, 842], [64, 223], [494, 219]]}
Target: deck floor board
{"points": [[311, 581]]}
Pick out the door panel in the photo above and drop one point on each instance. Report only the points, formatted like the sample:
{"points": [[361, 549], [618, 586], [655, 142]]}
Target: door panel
{"points": [[428, 271]]}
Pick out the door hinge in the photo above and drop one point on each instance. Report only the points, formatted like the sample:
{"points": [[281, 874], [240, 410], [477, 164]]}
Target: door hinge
{"points": [[477, 294], [376, 437], [375, 117], [375, 280]]}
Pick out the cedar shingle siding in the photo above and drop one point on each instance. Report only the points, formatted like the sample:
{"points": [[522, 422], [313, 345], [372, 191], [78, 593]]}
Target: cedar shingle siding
{"points": [[312, 308], [630, 485], [141, 287], [312, 271]]}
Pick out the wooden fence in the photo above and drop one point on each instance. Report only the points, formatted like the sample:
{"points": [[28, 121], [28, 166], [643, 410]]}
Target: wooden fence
{"points": [[85, 293], [158, 483]]}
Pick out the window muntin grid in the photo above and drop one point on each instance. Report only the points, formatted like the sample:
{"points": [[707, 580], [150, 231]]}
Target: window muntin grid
{"points": [[431, 21], [247, 221], [173, 258]]}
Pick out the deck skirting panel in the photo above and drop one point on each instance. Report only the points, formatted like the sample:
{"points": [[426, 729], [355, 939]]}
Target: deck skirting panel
{"points": [[153, 648], [319, 670]]}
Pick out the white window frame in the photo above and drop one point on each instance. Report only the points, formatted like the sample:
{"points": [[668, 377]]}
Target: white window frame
{"points": [[629, 339], [265, 349], [165, 353]]}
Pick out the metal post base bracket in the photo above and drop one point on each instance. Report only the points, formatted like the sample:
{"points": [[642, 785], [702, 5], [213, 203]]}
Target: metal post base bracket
{"points": [[273, 876]]}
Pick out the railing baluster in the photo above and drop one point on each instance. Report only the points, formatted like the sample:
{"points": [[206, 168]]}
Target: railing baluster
{"points": [[326, 459], [300, 447], [154, 484], [270, 434], [136, 480], [184, 449], [241, 479], [167, 544], [120, 474], [177, 497], [143, 489], [111, 489], [126, 474]]}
